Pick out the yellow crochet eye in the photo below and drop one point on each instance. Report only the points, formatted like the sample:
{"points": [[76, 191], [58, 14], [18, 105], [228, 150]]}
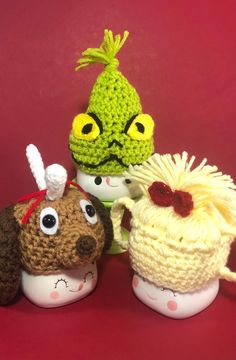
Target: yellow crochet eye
{"points": [[86, 126], [140, 127]]}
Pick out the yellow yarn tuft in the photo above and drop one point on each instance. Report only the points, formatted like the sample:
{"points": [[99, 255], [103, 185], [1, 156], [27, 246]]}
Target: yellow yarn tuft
{"points": [[181, 253]]}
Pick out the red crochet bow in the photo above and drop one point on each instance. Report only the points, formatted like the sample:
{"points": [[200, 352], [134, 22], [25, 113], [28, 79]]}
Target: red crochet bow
{"points": [[162, 195]]}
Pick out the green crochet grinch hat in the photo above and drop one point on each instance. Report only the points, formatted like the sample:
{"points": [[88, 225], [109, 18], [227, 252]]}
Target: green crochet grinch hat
{"points": [[113, 133]]}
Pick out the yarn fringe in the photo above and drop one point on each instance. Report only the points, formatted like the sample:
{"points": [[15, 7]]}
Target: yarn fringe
{"points": [[213, 193]]}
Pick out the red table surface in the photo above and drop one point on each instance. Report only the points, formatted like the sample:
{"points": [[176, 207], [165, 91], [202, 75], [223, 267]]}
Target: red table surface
{"points": [[181, 58]]}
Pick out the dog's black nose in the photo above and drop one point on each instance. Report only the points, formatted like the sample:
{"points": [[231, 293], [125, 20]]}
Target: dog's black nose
{"points": [[85, 245]]}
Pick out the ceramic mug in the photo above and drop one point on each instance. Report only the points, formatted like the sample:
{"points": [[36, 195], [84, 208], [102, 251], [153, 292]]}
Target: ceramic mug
{"points": [[59, 289]]}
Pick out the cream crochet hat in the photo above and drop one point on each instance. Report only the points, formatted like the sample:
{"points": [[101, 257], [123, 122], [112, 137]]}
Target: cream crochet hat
{"points": [[183, 225]]}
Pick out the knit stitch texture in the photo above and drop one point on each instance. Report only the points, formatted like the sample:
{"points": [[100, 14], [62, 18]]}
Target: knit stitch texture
{"points": [[9, 256], [43, 254], [117, 134], [77, 242], [172, 251]]}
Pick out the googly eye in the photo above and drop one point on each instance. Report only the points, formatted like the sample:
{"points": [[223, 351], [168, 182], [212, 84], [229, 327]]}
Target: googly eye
{"points": [[89, 211], [49, 221]]}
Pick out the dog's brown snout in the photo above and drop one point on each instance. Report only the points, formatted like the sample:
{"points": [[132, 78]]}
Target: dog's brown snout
{"points": [[85, 245]]}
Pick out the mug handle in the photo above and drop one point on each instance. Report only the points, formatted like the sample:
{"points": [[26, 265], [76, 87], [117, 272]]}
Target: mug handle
{"points": [[116, 217], [227, 274]]}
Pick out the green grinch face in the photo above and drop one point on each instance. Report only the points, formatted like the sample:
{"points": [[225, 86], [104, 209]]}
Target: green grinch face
{"points": [[111, 150], [113, 133]]}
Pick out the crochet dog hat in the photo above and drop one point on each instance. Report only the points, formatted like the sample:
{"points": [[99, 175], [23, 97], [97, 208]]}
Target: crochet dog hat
{"points": [[113, 133], [52, 230], [183, 226]]}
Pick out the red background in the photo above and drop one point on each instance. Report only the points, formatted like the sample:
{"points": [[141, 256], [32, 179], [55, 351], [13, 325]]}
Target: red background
{"points": [[181, 58]]}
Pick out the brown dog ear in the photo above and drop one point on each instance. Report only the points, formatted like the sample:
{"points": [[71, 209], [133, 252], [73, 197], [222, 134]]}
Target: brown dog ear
{"points": [[10, 272], [104, 215]]}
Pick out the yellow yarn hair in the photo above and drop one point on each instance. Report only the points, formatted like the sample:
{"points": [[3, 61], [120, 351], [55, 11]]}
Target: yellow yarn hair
{"points": [[181, 253]]}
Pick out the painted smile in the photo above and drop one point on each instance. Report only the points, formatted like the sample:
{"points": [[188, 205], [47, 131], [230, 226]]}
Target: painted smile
{"points": [[151, 297], [80, 287], [108, 182]]}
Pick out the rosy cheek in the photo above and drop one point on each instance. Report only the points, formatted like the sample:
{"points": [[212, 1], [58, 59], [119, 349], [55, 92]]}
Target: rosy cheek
{"points": [[81, 286], [172, 305], [135, 281], [54, 295]]}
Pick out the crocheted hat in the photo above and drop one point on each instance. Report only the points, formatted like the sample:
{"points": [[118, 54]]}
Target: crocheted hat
{"points": [[64, 213], [55, 229], [184, 224], [113, 133]]}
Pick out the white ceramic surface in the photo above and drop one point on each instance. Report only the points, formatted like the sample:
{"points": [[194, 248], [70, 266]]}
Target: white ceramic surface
{"points": [[59, 289], [107, 188], [173, 304]]}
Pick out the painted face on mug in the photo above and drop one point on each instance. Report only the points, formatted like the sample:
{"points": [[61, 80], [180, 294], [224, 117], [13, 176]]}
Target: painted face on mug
{"points": [[174, 304], [59, 289], [107, 188]]}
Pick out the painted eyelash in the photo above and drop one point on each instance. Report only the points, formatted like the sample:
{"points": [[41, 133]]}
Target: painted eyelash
{"points": [[88, 273], [144, 280], [56, 283], [163, 289]]}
